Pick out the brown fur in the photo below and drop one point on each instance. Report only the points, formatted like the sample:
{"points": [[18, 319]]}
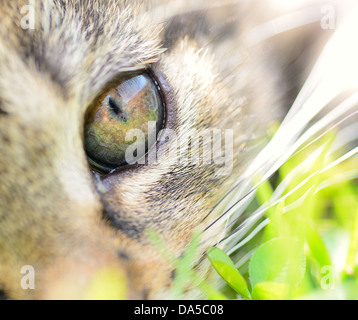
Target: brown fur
{"points": [[67, 222]]}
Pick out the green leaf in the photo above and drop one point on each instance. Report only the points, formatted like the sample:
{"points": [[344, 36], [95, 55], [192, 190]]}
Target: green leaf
{"points": [[317, 246], [279, 260], [227, 270], [271, 291]]}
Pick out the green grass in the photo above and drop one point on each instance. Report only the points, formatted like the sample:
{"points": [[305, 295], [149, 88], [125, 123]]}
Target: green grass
{"points": [[309, 248]]}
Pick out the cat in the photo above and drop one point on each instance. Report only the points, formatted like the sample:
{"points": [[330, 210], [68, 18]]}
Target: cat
{"points": [[71, 203]]}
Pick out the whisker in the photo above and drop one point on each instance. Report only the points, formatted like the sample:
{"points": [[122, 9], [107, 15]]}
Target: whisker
{"points": [[258, 214], [286, 133], [226, 212], [326, 83], [336, 125], [303, 139], [348, 155], [346, 176], [250, 236], [245, 258], [348, 135], [283, 24], [174, 8]]}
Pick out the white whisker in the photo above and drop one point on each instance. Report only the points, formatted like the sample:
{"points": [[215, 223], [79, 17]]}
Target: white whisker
{"points": [[327, 83], [346, 176], [250, 237], [258, 214], [244, 259], [348, 155], [283, 24]]}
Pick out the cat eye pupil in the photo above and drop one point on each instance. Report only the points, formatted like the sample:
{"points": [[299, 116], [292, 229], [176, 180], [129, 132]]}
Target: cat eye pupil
{"points": [[115, 106], [130, 105]]}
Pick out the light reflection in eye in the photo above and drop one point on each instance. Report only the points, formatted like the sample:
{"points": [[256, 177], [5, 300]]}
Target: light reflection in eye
{"points": [[131, 88]]}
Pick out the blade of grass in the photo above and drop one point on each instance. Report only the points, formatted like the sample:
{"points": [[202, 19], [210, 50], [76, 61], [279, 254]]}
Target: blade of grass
{"points": [[353, 247]]}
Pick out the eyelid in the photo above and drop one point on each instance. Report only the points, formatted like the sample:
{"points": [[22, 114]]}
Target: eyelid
{"points": [[168, 96]]}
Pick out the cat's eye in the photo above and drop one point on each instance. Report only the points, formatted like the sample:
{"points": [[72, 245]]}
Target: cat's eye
{"points": [[130, 106]]}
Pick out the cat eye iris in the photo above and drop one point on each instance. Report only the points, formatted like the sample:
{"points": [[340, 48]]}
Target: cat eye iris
{"points": [[133, 103]]}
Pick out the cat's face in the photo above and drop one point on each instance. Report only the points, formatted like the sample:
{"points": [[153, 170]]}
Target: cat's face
{"points": [[66, 219]]}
